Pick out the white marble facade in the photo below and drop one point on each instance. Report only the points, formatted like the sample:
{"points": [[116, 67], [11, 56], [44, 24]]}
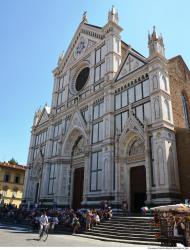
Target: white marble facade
{"points": [[113, 117]]}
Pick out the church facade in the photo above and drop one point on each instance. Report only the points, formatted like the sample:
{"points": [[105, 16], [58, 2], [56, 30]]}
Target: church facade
{"points": [[110, 133]]}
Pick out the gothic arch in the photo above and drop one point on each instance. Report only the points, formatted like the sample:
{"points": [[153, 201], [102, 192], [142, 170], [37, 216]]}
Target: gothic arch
{"points": [[185, 106], [156, 108], [155, 81], [71, 140], [127, 142], [167, 109], [165, 83]]}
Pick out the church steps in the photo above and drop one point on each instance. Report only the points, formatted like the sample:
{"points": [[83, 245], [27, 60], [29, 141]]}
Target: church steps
{"points": [[124, 234], [127, 241], [125, 229], [122, 225], [122, 237]]}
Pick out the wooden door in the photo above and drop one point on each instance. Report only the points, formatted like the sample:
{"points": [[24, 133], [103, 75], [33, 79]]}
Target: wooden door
{"points": [[138, 188], [78, 188]]}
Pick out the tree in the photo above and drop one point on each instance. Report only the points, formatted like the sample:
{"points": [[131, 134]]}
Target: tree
{"points": [[13, 161]]}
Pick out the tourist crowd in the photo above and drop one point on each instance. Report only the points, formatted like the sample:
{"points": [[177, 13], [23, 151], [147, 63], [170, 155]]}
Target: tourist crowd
{"points": [[173, 227], [59, 219]]}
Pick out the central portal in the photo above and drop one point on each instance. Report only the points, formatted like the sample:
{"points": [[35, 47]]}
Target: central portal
{"points": [[78, 188], [138, 188]]}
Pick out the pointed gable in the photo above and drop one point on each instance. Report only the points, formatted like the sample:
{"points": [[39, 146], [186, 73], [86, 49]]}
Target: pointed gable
{"points": [[77, 121], [131, 63], [44, 116], [85, 37], [132, 125]]}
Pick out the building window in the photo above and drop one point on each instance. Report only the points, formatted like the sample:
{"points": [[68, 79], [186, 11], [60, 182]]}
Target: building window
{"points": [[6, 178], [85, 114], [99, 72], [131, 95], [185, 111], [97, 132], [120, 121], [57, 130], [121, 100], [41, 138], [17, 179], [146, 88], [140, 91], [52, 179], [96, 172], [61, 97], [62, 82], [98, 110], [100, 54]]}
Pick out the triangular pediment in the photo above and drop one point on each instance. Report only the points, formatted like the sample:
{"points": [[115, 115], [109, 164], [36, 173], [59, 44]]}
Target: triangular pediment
{"points": [[85, 37], [77, 122], [44, 116], [131, 63], [132, 126], [77, 129]]}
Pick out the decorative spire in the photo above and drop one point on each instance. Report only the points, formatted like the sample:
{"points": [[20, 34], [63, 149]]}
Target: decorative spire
{"points": [[84, 17], [113, 15], [155, 43], [60, 59]]}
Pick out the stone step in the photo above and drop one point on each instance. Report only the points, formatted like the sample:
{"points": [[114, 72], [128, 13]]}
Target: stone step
{"points": [[123, 225], [131, 230], [120, 229], [132, 242], [125, 233], [126, 230], [122, 237]]}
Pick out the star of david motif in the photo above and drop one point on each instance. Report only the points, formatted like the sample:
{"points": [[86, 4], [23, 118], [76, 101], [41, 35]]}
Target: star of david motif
{"points": [[80, 47]]}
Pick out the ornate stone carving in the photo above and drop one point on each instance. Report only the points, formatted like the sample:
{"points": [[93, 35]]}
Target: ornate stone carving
{"points": [[79, 148], [137, 148]]}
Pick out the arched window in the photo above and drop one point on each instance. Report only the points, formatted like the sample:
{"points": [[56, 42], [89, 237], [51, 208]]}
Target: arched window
{"points": [[167, 109], [164, 83], [185, 110], [156, 108]]}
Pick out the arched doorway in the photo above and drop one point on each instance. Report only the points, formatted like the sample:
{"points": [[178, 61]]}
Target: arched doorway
{"points": [[137, 188], [77, 172], [78, 187]]}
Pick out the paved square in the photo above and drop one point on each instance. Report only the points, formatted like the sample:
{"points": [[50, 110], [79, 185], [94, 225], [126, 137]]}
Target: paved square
{"points": [[15, 237]]}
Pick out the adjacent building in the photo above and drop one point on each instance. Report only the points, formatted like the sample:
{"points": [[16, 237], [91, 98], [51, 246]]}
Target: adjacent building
{"points": [[11, 183], [117, 128]]}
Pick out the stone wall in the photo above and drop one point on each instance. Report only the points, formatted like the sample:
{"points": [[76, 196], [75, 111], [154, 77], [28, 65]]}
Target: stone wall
{"points": [[179, 77]]}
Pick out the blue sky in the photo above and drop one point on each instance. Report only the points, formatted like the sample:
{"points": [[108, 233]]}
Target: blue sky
{"points": [[33, 34]]}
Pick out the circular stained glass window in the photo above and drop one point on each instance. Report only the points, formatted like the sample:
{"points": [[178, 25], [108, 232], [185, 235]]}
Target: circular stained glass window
{"points": [[82, 78]]}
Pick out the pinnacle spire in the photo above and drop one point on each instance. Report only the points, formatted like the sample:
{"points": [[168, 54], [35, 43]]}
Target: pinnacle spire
{"points": [[155, 43], [113, 15], [84, 17]]}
